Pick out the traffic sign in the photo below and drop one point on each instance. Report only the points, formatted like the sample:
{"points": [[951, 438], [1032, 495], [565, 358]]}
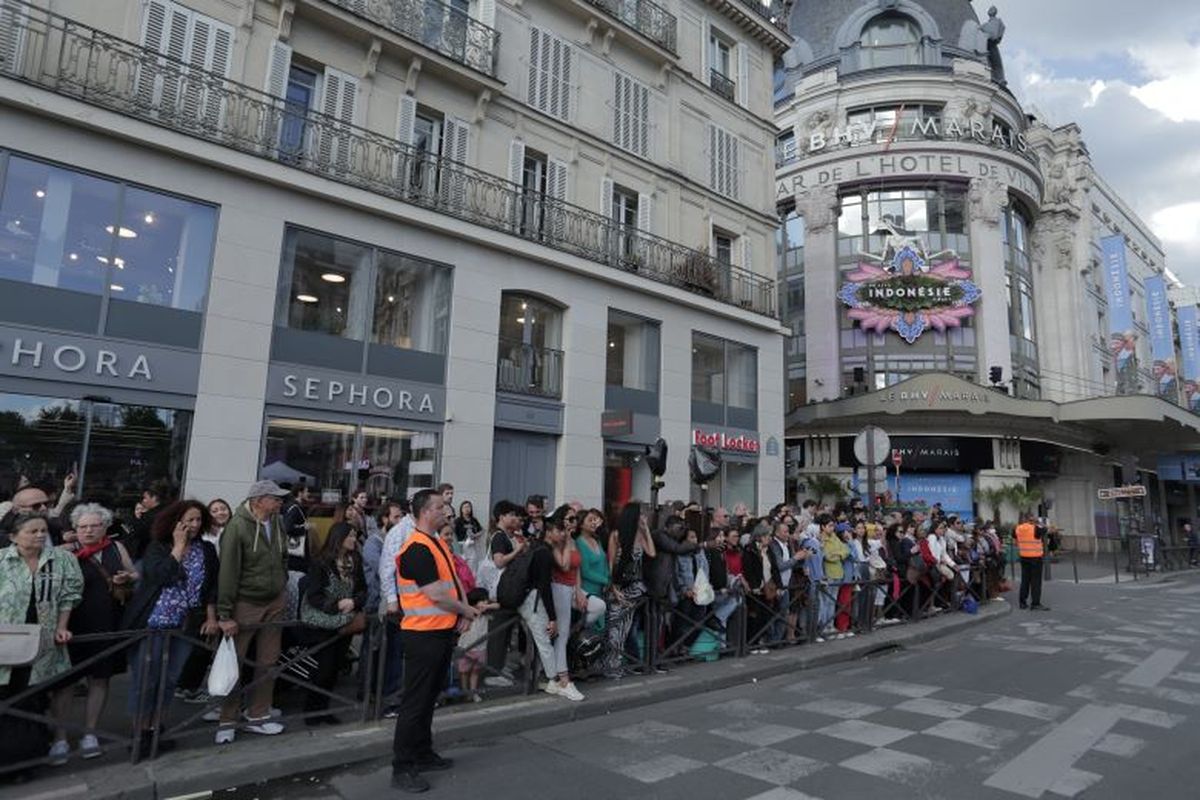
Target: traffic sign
{"points": [[1119, 492], [863, 474], [872, 445], [896, 459]]}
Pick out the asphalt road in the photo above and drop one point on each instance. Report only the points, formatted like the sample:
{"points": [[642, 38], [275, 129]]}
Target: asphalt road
{"points": [[1098, 698]]}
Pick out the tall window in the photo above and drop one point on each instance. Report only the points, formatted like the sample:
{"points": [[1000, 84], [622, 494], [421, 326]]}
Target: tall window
{"points": [[724, 172], [631, 115], [530, 358], [354, 291], [70, 230], [625, 212], [720, 55], [724, 381], [633, 347], [549, 74], [1018, 279], [300, 98], [723, 247], [890, 40]]}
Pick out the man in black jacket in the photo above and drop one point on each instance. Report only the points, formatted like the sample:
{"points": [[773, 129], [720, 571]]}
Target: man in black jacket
{"points": [[295, 527]]}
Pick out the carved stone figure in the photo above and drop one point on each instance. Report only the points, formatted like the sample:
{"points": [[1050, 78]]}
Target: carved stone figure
{"points": [[1061, 192], [819, 206], [993, 29], [819, 121], [986, 198]]}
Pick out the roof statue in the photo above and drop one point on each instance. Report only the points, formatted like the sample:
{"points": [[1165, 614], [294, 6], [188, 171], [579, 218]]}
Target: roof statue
{"points": [[993, 29]]}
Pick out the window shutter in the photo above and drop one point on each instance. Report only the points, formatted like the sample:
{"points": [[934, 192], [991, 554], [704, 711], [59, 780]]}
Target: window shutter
{"points": [[645, 212], [339, 101], [642, 112], [743, 75], [563, 71], [533, 93], [456, 142], [406, 119], [606, 198], [733, 185], [631, 115], [165, 31], [747, 254], [175, 45], [705, 34], [487, 12], [556, 179], [278, 67], [549, 74], [556, 193], [516, 161], [12, 37], [620, 110], [714, 158], [210, 48]]}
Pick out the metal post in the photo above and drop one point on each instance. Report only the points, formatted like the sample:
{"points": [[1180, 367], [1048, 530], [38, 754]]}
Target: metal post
{"points": [[1075, 564], [871, 475], [88, 407], [1116, 567]]}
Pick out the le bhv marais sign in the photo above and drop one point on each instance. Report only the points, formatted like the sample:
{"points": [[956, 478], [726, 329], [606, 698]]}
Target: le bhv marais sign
{"points": [[908, 162]]}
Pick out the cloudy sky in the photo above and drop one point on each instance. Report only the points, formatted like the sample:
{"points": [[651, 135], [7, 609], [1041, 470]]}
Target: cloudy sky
{"points": [[1129, 75]]}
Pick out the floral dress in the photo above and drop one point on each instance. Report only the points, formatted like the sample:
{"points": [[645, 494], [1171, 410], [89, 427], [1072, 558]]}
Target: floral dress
{"points": [[57, 586]]}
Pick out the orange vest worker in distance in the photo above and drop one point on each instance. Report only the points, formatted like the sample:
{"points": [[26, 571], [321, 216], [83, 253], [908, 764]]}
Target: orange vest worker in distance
{"points": [[421, 613], [1028, 545]]}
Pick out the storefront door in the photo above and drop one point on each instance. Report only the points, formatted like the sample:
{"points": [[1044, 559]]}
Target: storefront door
{"points": [[523, 464]]}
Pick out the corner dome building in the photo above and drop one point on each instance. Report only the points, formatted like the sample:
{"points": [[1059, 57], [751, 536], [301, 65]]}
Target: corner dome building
{"points": [[936, 242]]}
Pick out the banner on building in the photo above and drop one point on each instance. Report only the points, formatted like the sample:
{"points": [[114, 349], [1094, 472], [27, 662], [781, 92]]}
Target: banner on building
{"points": [[921, 492], [1189, 344], [1122, 335], [1162, 341]]}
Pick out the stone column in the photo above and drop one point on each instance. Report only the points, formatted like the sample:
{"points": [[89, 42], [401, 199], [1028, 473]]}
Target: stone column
{"points": [[987, 199], [819, 207]]}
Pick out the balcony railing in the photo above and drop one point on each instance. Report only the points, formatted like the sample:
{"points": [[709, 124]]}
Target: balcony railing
{"points": [[448, 30], [647, 18], [773, 12], [526, 369], [722, 84], [81, 62]]}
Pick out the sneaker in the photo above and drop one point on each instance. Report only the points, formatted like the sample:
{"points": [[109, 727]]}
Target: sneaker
{"points": [[409, 781], [89, 746], [476, 697], [263, 727], [60, 751], [183, 694], [820, 640], [272, 713], [571, 693], [552, 687], [1039, 607], [197, 698], [497, 681], [849, 634], [226, 734], [391, 712], [434, 763], [212, 716]]}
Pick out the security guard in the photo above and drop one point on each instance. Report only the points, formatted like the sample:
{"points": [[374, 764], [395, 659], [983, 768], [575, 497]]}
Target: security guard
{"points": [[435, 612], [1031, 549]]}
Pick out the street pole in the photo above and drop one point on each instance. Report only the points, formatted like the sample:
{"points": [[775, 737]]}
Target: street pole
{"points": [[871, 477]]}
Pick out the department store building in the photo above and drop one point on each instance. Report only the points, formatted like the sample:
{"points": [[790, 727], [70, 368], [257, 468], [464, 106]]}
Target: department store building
{"points": [[958, 272]]}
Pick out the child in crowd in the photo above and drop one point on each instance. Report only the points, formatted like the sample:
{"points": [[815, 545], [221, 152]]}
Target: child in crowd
{"points": [[470, 665]]}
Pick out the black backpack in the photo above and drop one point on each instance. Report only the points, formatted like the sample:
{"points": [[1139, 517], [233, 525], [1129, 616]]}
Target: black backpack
{"points": [[514, 581]]}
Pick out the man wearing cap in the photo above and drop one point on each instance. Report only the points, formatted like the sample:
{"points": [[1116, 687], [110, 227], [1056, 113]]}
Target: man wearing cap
{"points": [[252, 591]]}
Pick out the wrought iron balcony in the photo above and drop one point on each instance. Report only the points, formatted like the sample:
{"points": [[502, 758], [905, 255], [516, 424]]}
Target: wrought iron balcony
{"points": [[722, 84], [526, 369], [448, 30], [89, 65], [773, 12], [647, 18]]}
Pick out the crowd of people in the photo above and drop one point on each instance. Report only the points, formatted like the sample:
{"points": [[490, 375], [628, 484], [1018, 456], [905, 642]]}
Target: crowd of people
{"points": [[568, 593]]}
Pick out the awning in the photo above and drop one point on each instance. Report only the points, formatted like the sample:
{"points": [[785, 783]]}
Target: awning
{"points": [[943, 404]]}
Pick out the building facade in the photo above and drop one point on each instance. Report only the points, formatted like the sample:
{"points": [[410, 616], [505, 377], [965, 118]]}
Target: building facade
{"points": [[948, 263], [341, 244]]}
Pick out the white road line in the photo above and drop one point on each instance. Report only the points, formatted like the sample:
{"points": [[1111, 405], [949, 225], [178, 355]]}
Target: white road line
{"points": [[1157, 666], [1052, 757]]}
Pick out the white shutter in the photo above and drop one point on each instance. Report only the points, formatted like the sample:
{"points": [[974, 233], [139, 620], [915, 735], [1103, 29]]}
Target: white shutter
{"points": [[645, 212], [210, 49], [556, 192], [641, 110], [13, 22], [714, 158], [743, 75], [606, 198], [456, 138], [556, 179], [620, 110], [704, 36], [406, 119], [550, 71], [165, 31], [733, 167], [537, 74], [339, 101], [516, 161], [278, 67], [563, 71], [747, 254], [175, 45], [487, 12]]}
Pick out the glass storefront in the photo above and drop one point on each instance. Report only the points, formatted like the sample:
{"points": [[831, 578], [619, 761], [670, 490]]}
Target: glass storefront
{"points": [[117, 450], [626, 478], [737, 482]]}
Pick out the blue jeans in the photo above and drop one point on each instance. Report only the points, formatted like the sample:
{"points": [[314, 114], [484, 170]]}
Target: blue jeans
{"points": [[176, 649], [826, 603], [779, 625]]}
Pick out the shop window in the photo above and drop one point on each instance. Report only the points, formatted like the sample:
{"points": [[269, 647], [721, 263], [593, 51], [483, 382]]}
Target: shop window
{"points": [[742, 366], [412, 304], [708, 369], [737, 482], [529, 357], [633, 348], [890, 40], [68, 230], [724, 382]]}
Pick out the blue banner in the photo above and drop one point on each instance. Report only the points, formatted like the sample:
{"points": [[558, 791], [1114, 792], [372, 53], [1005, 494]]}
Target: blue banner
{"points": [[1162, 341], [1189, 344], [921, 491], [1122, 335]]}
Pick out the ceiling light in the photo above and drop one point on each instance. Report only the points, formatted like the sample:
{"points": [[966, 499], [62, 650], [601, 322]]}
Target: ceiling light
{"points": [[612, 344], [116, 288], [120, 262], [123, 232], [338, 309], [40, 193], [306, 298], [74, 256], [148, 219], [391, 298], [521, 320], [333, 277]]}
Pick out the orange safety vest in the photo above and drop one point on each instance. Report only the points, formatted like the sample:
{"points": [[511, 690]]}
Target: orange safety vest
{"points": [[1028, 545], [420, 612]]}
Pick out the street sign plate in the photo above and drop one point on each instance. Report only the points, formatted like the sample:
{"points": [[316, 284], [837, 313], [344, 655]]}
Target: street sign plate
{"points": [[1119, 492], [872, 435], [896, 458], [863, 474]]}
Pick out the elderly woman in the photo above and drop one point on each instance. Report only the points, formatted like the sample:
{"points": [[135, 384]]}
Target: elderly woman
{"points": [[108, 579], [178, 593], [39, 585]]}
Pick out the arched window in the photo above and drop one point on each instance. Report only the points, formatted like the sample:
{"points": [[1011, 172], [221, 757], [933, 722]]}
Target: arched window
{"points": [[890, 40]]}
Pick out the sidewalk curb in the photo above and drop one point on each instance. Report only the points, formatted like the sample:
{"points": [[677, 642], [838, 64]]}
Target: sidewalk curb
{"points": [[200, 771]]}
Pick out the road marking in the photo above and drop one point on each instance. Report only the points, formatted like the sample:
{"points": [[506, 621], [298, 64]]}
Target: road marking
{"points": [[661, 768], [1025, 708], [1189, 590], [1052, 757], [905, 689], [933, 707], [1116, 744], [1157, 666], [1074, 782], [961, 730]]}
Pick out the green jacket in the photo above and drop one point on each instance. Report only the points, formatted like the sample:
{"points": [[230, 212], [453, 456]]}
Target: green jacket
{"points": [[253, 565], [835, 553]]}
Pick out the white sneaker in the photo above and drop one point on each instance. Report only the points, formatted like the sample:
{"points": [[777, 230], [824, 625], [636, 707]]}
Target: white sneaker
{"points": [[571, 693], [497, 681], [849, 634], [263, 727], [226, 734], [60, 751], [820, 640], [552, 687], [212, 716], [89, 746], [272, 713]]}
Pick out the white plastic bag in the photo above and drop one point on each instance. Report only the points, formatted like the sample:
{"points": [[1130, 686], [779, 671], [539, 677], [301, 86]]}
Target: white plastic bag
{"points": [[702, 590], [223, 677]]}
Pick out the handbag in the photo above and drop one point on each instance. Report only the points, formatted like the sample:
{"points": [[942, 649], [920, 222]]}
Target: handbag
{"points": [[314, 617], [19, 644], [702, 590], [120, 592]]}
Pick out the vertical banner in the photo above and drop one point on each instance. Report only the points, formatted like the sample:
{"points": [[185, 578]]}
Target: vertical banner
{"points": [[1189, 344], [1162, 341], [1122, 335]]}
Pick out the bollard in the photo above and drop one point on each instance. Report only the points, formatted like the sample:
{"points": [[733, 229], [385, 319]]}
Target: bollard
{"points": [[1116, 567], [1075, 564]]}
